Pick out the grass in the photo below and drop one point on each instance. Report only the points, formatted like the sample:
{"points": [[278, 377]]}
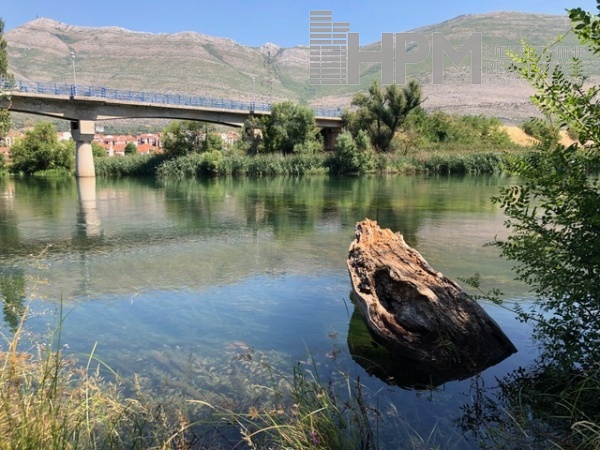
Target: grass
{"points": [[49, 401], [135, 165], [310, 414], [541, 406], [216, 164]]}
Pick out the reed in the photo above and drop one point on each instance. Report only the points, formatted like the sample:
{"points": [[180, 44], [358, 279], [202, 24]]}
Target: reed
{"points": [[134, 165], [50, 401], [305, 412], [217, 164]]}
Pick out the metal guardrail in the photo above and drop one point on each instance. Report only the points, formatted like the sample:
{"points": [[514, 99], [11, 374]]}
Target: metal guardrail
{"points": [[72, 90]]}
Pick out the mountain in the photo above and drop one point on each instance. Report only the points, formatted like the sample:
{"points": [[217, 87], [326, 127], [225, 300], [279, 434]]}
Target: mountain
{"points": [[198, 64]]}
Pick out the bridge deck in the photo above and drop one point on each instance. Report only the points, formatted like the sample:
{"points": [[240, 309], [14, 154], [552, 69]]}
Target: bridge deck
{"points": [[38, 89]]}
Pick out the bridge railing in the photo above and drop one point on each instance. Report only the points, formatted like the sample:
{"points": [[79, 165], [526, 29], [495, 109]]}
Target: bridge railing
{"points": [[72, 90]]}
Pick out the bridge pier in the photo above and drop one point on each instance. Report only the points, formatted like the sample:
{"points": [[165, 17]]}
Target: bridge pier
{"points": [[331, 135], [83, 134]]}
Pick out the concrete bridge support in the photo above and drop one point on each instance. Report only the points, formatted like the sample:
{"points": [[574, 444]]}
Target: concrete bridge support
{"points": [[83, 134], [331, 135]]}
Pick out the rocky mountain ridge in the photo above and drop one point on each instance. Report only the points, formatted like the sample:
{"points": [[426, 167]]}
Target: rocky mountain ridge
{"points": [[194, 63]]}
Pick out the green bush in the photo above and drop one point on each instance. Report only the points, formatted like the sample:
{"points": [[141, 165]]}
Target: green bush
{"points": [[130, 149], [212, 162], [217, 164], [353, 155], [134, 165], [40, 150], [546, 133], [440, 130], [289, 128]]}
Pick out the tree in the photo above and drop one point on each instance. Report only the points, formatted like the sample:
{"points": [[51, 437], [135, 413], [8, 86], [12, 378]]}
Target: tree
{"points": [[130, 149], [554, 211], [5, 122], [353, 155], [98, 151], [289, 129], [252, 135], [212, 141], [183, 138], [41, 150], [382, 112], [553, 215]]}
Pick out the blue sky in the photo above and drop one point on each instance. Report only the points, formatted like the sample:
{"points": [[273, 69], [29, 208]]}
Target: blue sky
{"points": [[254, 23]]}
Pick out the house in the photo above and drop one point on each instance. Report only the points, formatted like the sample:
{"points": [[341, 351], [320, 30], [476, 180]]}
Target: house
{"points": [[10, 139], [153, 139], [64, 136], [146, 149]]}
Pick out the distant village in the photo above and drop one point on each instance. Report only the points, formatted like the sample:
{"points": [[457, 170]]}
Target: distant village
{"points": [[114, 145]]}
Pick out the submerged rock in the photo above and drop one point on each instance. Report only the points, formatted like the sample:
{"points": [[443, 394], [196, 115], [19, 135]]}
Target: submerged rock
{"points": [[417, 312]]}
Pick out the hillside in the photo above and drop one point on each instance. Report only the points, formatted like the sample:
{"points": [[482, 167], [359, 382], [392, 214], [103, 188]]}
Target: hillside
{"points": [[205, 65]]}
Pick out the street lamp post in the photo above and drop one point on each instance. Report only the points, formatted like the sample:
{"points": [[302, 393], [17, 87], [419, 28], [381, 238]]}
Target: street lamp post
{"points": [[74, 89], [253, 104]]}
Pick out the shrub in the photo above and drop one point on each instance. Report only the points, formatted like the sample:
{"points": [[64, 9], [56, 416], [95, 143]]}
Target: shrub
{"points": [[40, 150], [546, 133], [134, 165], [353, 156]]}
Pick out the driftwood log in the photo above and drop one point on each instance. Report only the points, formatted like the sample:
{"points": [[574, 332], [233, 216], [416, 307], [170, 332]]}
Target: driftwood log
{"points": [[417, 312]]}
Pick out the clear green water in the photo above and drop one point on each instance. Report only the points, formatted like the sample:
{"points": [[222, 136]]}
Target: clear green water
{"points": [[174, 280]]}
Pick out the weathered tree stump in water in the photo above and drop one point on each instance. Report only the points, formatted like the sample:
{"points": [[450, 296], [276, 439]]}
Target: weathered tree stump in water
{"points": [[416, 311]]}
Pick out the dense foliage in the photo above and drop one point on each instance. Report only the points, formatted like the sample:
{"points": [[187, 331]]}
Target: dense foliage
{"points": [[440, 129], [98, 151], [553, 215], [5, 122], [353, 155], [184, 138], [40, 150], [545, 132], [555, 212], [290, 129], [381, 112], [130, 149]]}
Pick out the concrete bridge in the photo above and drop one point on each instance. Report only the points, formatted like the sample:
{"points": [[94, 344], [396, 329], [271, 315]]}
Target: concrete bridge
{"points": [[84, 105]]}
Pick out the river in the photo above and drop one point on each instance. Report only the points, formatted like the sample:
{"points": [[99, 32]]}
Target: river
{"points": [[179, 280]]}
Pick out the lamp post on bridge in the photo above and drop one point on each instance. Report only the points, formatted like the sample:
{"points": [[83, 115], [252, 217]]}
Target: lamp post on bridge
{"points": [[74, 88], [253, 94]]}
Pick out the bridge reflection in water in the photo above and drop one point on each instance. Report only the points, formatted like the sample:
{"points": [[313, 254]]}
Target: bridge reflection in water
{"points": [[88, 218]]}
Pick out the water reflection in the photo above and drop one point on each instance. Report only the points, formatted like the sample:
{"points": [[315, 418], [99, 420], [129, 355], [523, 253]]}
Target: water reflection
{"points": [[9, 223], [88, 218], [12, 292], [159, 271], [286, 207], [393, 369]]}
